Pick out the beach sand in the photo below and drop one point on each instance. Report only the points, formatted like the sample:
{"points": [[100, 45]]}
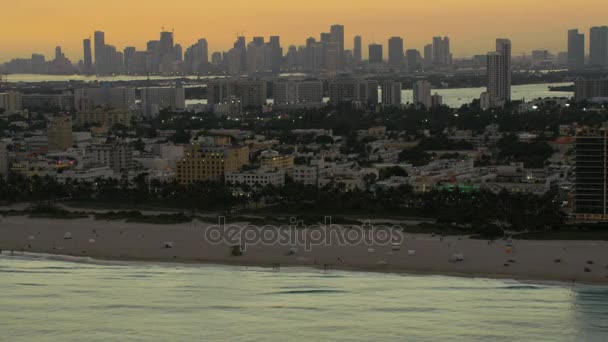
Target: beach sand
{"points": [[579, 261]]}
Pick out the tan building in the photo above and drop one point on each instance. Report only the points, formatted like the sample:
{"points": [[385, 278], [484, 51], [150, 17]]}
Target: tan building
{"points": [[11, 102], [210, 163], [59, 131], [273, 161], [3, 160], [104, 117]]}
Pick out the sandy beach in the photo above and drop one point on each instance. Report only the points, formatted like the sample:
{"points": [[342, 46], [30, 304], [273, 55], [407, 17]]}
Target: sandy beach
{"points": [[566, 261]]}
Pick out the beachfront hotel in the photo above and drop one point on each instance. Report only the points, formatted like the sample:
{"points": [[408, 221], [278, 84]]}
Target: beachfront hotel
{"points": [[591, 194]]}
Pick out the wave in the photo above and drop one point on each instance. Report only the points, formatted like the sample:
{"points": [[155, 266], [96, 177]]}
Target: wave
{"points": [[314, 291]]}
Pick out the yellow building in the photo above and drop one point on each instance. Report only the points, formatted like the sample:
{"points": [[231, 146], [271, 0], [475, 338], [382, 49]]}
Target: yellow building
{"points": [[277, 163], [59, 131], [104, 117], [222, 140], [210, 163]]}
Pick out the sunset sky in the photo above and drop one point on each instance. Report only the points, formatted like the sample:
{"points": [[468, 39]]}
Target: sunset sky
{"points": [[40, 25]]}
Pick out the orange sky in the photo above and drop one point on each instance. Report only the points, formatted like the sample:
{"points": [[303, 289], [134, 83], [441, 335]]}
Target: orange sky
{"points": [[39, 25]]}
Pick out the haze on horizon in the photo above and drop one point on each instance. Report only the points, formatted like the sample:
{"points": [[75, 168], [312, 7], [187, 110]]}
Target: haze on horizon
{"points": [[37, 26]]}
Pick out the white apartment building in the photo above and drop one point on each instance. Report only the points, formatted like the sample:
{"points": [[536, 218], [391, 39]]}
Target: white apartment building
{"points": [[259, 177]]}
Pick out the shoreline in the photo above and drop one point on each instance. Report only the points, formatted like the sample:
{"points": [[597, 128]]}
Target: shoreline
{"points": [[202, 263], [580, 262]]}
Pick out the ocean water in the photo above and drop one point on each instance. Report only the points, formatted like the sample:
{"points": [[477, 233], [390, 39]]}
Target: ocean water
{"points": [[65, 299]]}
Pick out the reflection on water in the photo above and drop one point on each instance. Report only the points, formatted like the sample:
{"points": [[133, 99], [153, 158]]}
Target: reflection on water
{"points": [[58, 300]]}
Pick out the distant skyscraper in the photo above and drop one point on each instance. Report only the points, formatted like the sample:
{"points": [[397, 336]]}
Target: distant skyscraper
{"points": [[196, 57], [395, 51], [441, 51], [276, 53], [58, 54], [336, 33], [357, 56], [87, 57], [428, 55], [422, 94], [576, 49], [391, 93], [3, 160], [598, 46], [375, 53], [100, 41], [129, 58], [412, 59], [499, 76]]}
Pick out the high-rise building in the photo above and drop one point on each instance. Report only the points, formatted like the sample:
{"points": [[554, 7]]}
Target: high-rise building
{"points": [[441, 51], [87, 57], [100, 42], [348, 90], [375, 53], [598, 46], [591, 89], [251, 93], [591, 169], [357, 51], [154, 99], [11, 102], [395, 51], [412, 60], [59, 132], [576, 50], [4, 167], [87, 99], [422, 94], [118, 156], [391, 93], [336, 35], [276, 54], [428, 55], [298, 92], [196, 58], [498, 75]]}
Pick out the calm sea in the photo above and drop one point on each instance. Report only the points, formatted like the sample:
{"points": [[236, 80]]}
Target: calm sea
{"points": [[62, 299], [454, 97]]}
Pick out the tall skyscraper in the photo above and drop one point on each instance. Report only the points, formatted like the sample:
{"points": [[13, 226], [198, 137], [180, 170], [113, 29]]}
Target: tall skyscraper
{"points": [[428, 55], [412, 60], [395, 51], [576, 49], [196, 57], [336, 33], [375, 53], [276, 54], [591, 186], [391, 93], [422, 94], [498, 76], [87, 57], [3, 160], [357, 52], [441, 51], [598, 46], [100, 42]]}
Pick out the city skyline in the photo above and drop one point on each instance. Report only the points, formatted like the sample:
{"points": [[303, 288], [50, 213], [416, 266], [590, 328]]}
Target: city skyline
{"points": [[415, 23]]}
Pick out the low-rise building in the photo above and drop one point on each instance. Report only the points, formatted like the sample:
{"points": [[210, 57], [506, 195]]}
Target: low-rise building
{"points": [[259, 177]]}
